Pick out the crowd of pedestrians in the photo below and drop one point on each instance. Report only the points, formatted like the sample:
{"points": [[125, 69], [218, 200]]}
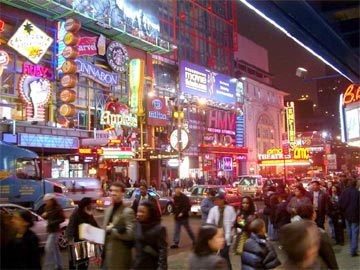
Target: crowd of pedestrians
{"points": [[136, 239]]}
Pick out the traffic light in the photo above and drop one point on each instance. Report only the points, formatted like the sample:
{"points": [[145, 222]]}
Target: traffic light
{"points": [[179, 114]]}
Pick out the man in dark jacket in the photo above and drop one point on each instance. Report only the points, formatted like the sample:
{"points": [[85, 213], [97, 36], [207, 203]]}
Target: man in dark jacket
{"points": [[144, 196], [258, 252], [350, 204], [319, 199], [181, 214]]}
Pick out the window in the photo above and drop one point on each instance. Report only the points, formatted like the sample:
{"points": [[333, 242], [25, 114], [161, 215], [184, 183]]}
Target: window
{"points": [[27, 169]]}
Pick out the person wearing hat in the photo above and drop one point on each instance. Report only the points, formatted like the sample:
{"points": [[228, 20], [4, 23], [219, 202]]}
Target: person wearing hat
{"points": [[319, 200], [83, 214], [207, 204], [223, 216], [55, 216]]}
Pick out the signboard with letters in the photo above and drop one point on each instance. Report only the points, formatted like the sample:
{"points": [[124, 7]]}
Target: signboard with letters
{"points": [[202, 82]]}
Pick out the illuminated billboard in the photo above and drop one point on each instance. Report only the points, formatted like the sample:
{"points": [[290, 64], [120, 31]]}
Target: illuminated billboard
{"points": [[202, 82], [137, 17]]}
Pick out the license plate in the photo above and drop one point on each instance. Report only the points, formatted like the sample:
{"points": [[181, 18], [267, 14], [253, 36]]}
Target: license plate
{"points": [[195, 208]]}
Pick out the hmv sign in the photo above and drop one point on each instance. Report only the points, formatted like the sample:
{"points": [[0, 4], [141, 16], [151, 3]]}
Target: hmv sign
{"points": [[221, 122]]}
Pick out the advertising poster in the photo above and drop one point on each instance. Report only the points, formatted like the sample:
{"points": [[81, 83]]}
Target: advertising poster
{"points": [[202, 82]]}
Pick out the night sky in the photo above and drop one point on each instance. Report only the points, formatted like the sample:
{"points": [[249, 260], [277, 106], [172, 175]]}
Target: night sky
{"points": [[284, 55]]}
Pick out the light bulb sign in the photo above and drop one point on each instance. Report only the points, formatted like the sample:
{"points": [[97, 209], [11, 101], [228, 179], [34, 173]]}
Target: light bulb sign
{"points": [[30, 41]]}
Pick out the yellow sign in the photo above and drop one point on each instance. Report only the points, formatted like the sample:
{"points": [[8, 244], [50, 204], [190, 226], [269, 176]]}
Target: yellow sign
{"points": [[301, 153], [136, 83], [4, 174], [290, 119], [30, 41]]}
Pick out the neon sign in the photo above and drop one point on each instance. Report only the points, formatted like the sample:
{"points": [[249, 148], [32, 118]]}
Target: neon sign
{"points": [[2, 24], [352, 94], [121, 119], [290, 116], [37, 71], [30, 41]]}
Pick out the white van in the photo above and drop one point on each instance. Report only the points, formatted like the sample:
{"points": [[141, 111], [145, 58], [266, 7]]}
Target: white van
{"points": [[250, 185], [78, 188]]}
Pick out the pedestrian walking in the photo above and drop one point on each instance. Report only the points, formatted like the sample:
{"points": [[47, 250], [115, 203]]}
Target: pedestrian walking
{"points": [[319, 200], [246, 213], [83, 214], [282, 216], [300, 241], [298, 198], [335, 214], [181, 215], [327, 256], [223, 216], [119, 222], [54, 215], [350, 204], [144, 196], [258, 252], [210, 240], [150, 239], [24, 246], [207, 204]]}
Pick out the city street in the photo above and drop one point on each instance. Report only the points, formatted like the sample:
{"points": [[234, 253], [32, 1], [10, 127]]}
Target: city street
{"points": [[178, 257]]}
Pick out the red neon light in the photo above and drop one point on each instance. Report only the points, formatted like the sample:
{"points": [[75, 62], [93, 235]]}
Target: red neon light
{"points": [[2, 25], [352, 94]]}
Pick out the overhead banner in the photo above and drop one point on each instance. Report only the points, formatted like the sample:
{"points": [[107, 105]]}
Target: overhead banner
{"points": [[156, 111], [136, 83], [202, 82]]}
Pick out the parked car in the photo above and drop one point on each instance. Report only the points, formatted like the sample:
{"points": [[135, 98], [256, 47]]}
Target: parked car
{"points": [[166, 203], [40, 224], [199, 192], [250, 185]]}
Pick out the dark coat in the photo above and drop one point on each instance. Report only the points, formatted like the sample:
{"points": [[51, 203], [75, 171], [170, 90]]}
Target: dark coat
{"points": [[151, 246], [24, 253], [208, 262], [322, 202], [350, 204], [258, 254], [151, 199], [78, 217], [282, 216], [55, 216], [326, 252], [181, 205]]}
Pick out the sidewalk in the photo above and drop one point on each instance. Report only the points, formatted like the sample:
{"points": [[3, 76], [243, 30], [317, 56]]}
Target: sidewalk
{"points": [[345, 261]]}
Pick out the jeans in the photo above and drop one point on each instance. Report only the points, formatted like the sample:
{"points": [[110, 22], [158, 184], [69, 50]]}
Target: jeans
{"points": [[225, 254], [52, 258], [353, 232], [331, 227], [185, 223]]}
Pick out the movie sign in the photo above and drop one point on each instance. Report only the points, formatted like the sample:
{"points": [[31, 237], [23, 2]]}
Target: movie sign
{"points": [[136, 83], [202, 82], [30, 41], [156, 111]]}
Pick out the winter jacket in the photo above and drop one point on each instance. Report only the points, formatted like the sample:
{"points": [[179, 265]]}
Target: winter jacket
{"points": [[350, 204], [206, 205], [258, 254], [208, 262], [228, 221], [77, 218], [151, 246], [181, 205], [55, 216]]}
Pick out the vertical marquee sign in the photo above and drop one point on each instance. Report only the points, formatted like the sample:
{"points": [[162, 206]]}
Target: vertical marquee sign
{"points": [[290, 121], [136, 82]]}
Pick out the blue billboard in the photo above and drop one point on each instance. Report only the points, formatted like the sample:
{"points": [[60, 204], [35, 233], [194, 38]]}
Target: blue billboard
{"points": [[201, 82]]}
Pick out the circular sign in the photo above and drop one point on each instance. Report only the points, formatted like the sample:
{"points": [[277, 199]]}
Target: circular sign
{"points": [[72, 25], [69, 66], [67, 95], [117, 56], [67, 110], [70, 52], [71, 39], [34, 90], [69, 81], [174, 140]]}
